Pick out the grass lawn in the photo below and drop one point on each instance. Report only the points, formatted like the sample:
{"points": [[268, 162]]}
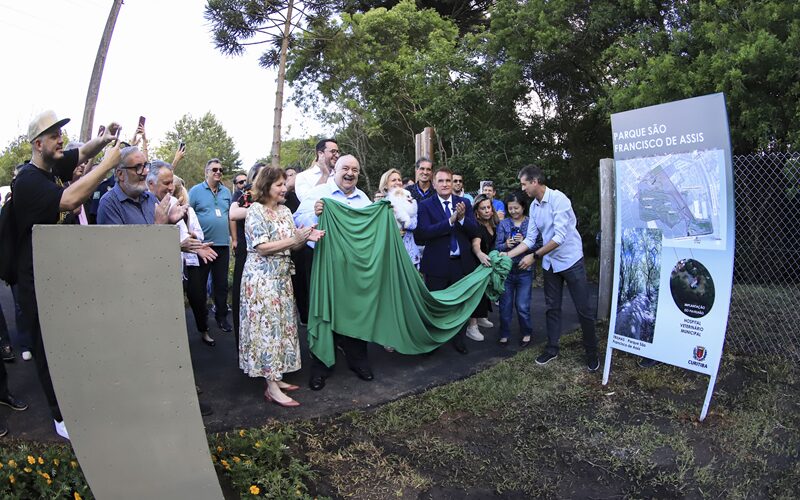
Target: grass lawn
{"points": [[517, 430]]}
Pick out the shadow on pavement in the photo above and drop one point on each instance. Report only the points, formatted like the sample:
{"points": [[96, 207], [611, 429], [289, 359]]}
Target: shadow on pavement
{"points": [[237, 400]]}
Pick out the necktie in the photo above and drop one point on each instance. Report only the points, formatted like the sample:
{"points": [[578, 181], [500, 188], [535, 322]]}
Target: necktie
{"points": [[453, 241]]}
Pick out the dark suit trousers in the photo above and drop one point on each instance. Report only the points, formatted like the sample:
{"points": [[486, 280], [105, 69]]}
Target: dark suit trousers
{"points": [[355, 350], [452, 273]]}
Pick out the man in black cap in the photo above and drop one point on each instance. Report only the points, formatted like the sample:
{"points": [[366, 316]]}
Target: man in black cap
{"points": [[40, 198]]}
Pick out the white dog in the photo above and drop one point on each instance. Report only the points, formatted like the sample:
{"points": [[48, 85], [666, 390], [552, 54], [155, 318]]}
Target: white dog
{"points": [[404, 206]]}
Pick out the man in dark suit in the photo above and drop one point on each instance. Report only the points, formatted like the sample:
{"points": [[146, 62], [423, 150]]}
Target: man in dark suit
{"points": [[446, 226]]}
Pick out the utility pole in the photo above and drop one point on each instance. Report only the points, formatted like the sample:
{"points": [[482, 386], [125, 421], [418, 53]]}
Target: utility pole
{"points": [[97, 73], [276, 124]]}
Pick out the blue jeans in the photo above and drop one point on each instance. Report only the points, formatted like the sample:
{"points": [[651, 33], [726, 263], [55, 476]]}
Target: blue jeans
{"points": [[517, 293], [575, 277]]}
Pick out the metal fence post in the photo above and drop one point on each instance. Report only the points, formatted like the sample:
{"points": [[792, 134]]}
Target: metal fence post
{"points": [[608, 203]]}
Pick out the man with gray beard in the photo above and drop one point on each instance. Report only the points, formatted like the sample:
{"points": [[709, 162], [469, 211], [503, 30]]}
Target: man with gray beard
{"points": [[129, 202]]}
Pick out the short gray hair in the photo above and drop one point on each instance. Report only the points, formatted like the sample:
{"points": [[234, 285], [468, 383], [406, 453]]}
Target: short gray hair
{"points": [[124, 154], [155, 168]]}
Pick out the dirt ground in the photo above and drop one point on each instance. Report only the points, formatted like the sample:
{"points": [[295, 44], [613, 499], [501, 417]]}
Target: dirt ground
{"points": [[517, 430]]}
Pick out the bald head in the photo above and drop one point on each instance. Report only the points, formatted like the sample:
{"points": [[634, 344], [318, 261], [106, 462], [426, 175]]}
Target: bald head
{"points": [[346, 173]]}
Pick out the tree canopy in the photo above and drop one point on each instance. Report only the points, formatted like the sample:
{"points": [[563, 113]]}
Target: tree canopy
{"points": [[507, 83], [205, 138], [18, 151]]}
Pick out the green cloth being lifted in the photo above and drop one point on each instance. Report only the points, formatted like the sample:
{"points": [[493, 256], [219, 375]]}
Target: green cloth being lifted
{"points": [[363, 285]]}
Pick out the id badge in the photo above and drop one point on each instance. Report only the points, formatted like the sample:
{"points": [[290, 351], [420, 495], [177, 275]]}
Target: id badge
{"points": [[218, 212]]}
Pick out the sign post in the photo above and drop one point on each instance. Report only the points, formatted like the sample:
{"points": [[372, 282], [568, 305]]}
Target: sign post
{"points": [[674, 241]]}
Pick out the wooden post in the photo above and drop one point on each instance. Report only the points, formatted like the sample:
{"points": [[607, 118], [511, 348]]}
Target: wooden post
{"points": [[423, 144], [608, 202]]}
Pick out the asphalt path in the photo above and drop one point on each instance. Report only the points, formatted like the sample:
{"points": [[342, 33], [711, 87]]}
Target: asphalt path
{"points": [[237, 400]]}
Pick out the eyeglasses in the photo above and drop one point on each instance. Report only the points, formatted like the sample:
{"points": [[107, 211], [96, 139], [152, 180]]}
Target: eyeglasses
{"points": [[334, 151], [457, 180], [139, 168], [217, 169]]}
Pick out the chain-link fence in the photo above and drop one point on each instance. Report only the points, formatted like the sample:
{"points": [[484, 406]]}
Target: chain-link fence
{"points": [[765, 305]]}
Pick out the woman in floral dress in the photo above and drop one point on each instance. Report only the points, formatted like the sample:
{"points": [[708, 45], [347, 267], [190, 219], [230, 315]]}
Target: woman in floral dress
{"points": [[268, 341]]}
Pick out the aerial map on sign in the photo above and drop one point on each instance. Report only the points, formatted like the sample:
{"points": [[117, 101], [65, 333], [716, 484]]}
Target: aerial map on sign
{"points": [[678, 194]]}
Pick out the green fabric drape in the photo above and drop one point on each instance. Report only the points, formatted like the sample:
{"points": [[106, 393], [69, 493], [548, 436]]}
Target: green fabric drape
{"points": [[363, 285]]}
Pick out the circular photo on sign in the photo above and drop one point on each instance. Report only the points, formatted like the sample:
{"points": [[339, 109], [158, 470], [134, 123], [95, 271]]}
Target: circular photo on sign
{"points": [[692, 288]]}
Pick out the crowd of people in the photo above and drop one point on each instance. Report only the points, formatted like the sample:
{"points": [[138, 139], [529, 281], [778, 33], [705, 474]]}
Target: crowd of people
{"points": [[268, 221]]}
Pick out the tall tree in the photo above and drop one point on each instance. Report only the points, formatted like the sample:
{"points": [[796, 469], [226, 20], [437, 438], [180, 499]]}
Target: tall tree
{"points": [[390, 73], [97, 72], [205, 138], [748, 50], [469, 16], [236, 24]]}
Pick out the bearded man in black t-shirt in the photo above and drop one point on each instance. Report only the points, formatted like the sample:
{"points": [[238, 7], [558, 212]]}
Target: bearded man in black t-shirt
{"points": [[40, 198]]}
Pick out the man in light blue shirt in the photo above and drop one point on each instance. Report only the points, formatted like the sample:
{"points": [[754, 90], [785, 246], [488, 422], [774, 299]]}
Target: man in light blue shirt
{"points": [[551, 215], [341, 187], [211, 201]]}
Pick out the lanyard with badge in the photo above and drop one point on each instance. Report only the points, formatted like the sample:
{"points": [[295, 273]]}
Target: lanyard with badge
{"points": [[217, 210]]}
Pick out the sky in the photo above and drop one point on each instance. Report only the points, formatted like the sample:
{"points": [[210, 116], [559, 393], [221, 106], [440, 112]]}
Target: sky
{"points": [[161, 64]]}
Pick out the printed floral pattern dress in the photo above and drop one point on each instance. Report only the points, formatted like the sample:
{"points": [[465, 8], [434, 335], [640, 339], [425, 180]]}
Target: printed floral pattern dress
{"points": [[268, 340]]}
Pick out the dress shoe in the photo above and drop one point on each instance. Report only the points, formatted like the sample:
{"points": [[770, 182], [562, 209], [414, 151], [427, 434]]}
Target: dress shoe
{"points": [[224, 325], [458, 345], [363, 373], [484, 322], [288, 404], [525, 343], [3, 429], [474, 334], [7, 353], [13, 403], [317, 383], [207, 340]]}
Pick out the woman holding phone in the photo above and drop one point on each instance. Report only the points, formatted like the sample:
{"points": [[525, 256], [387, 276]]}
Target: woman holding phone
{"points": [[510, 233]]}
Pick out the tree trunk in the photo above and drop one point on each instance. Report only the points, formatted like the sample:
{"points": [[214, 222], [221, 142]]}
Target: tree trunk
{"points": [[276, 125], [97, 73]]}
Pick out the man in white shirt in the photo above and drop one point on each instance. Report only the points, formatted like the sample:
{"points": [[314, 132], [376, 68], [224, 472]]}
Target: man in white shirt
{"points": [[551, 215], [318, 174], [340, 187]]}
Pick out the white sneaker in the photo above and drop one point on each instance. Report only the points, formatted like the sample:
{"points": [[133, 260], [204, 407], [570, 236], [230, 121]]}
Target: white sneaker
{"points": [[484, 322], [61, 429], [27, 356], [474, 333]]}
